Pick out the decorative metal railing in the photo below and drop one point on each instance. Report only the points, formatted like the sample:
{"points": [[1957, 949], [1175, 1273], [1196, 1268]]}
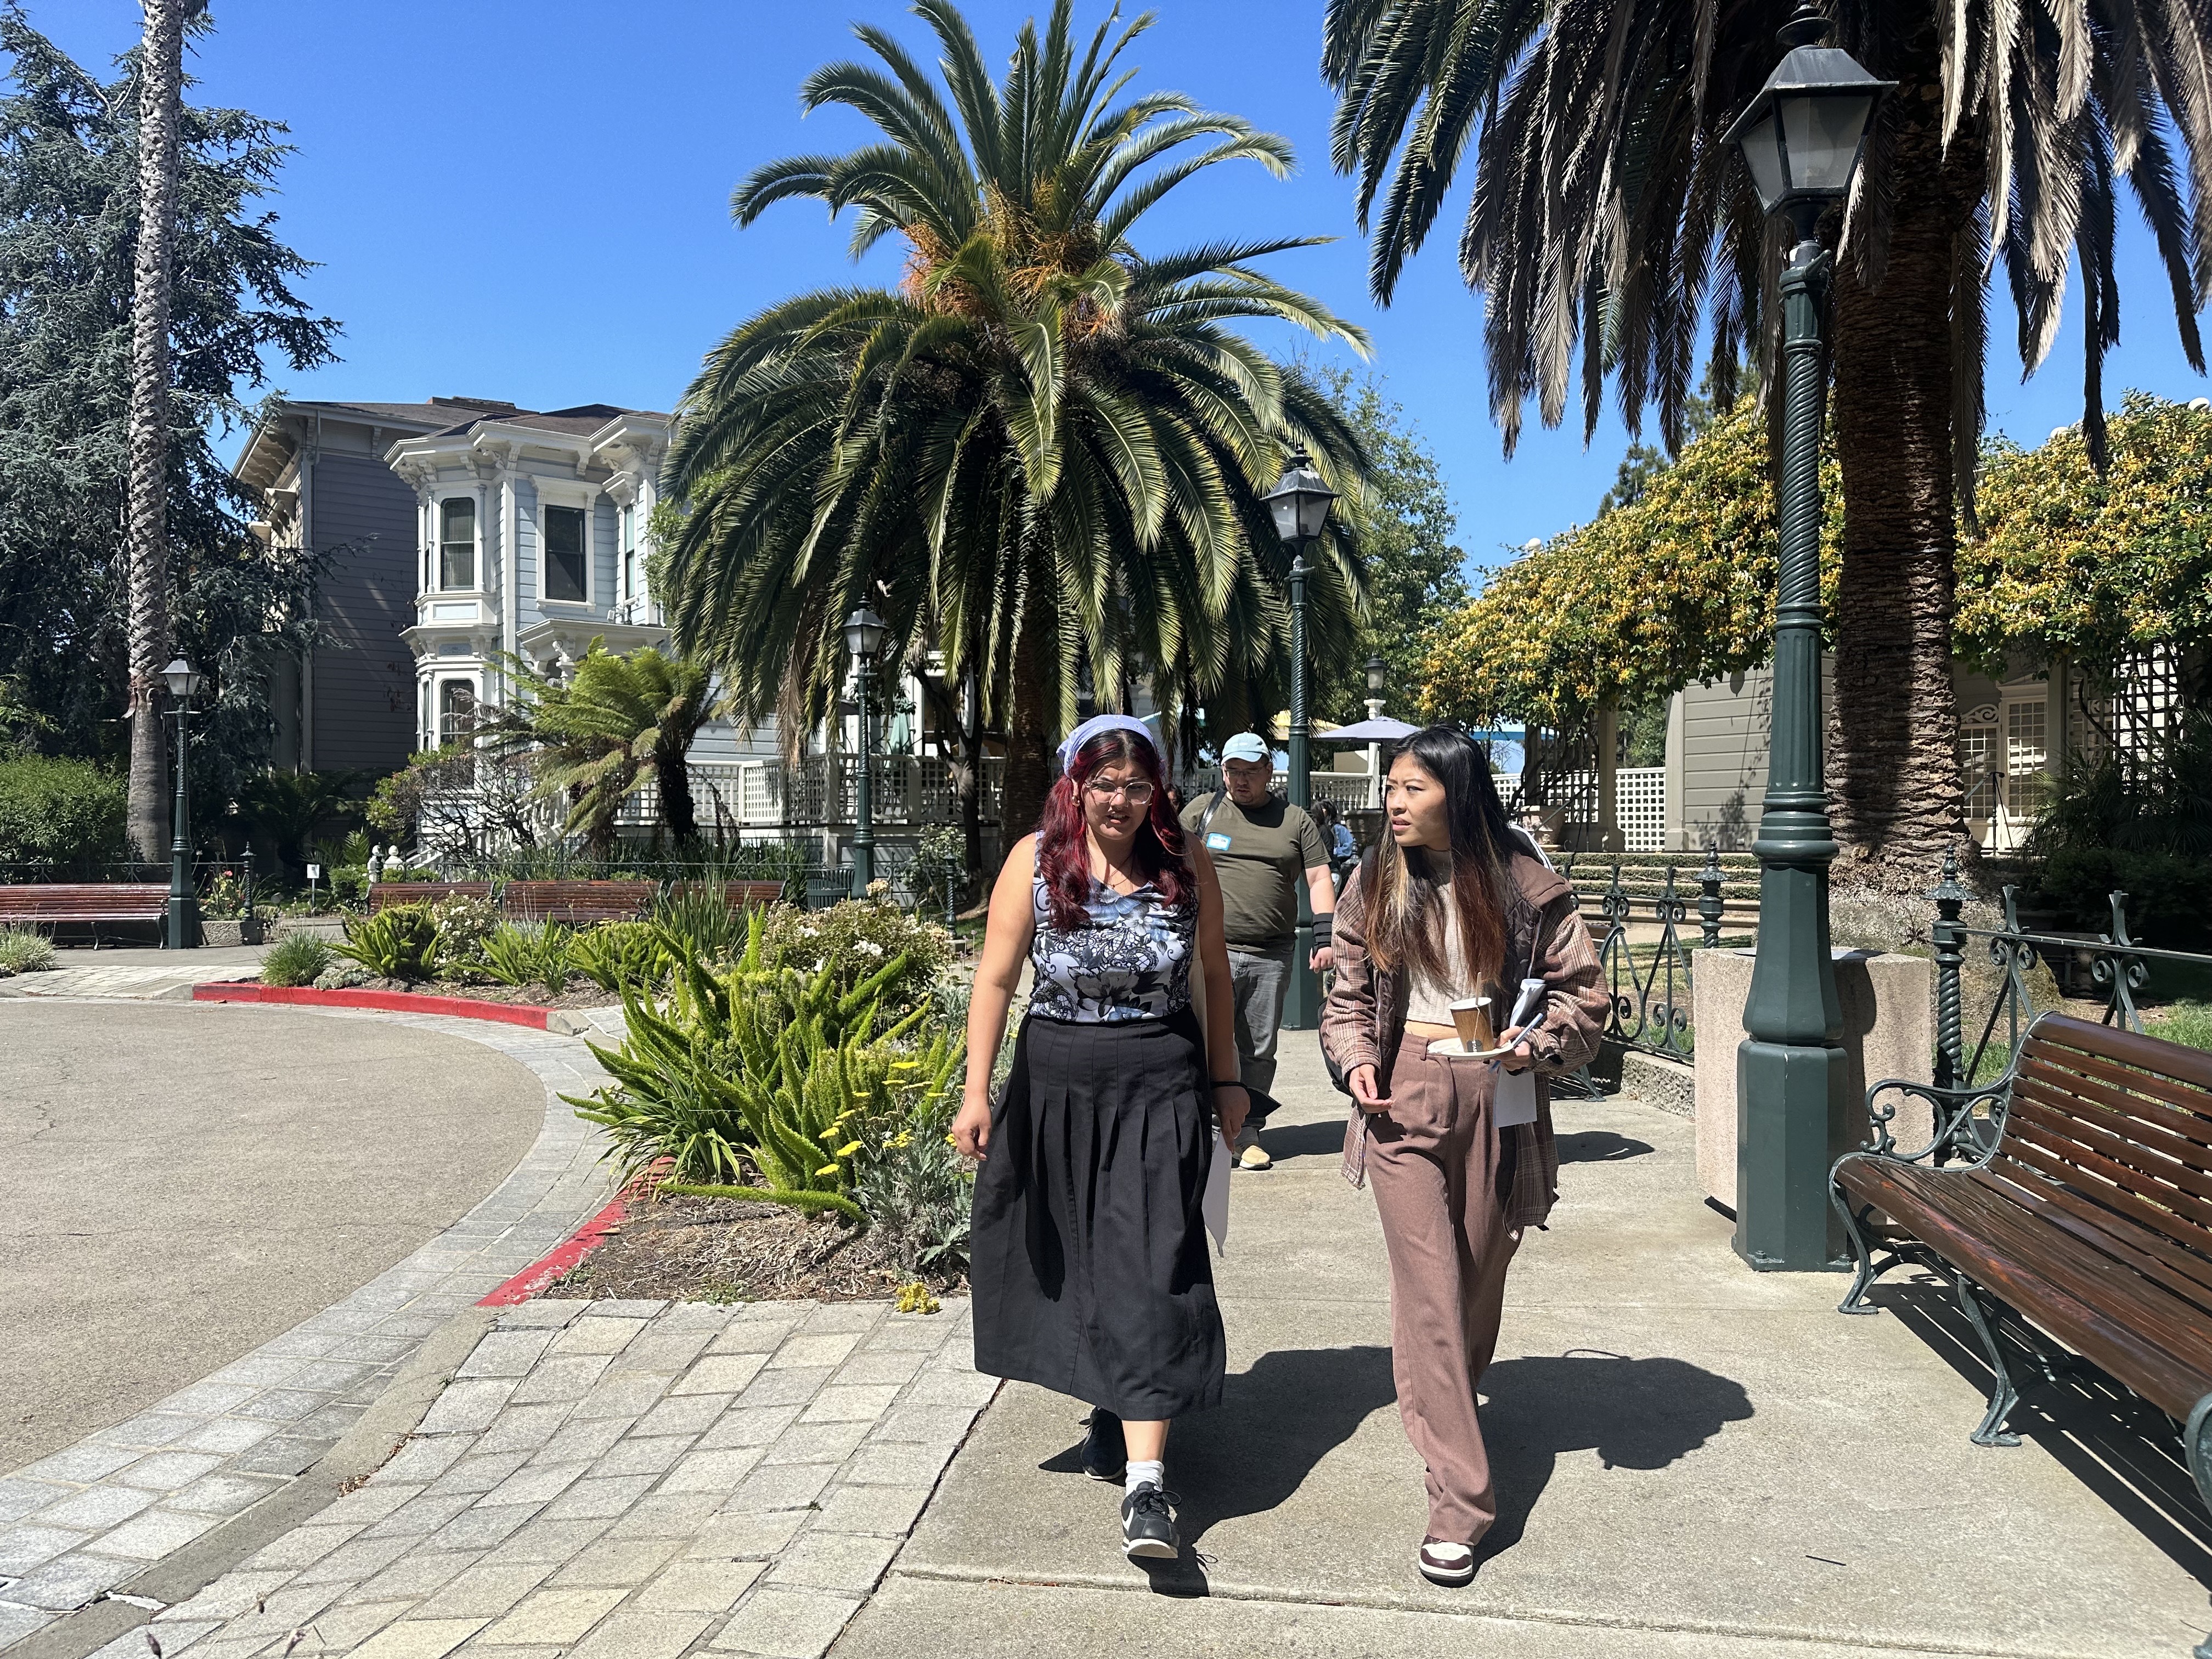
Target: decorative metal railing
{"points": [[2112, 962], [1648, 981]]}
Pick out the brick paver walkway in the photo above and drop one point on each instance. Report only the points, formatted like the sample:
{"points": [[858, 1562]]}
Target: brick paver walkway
{"points": [[622, 1481], [82, 1523]]}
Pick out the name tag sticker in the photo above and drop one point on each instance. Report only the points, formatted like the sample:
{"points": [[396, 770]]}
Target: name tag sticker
{"points": [[1217, 842]]}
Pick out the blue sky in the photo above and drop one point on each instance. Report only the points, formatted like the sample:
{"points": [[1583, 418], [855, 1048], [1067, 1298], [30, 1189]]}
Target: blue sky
{"points": [[528, 199]]}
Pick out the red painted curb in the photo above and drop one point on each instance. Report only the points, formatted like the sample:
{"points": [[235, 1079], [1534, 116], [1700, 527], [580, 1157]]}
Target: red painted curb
{"points": [[540, 1273], [504, 1013]]}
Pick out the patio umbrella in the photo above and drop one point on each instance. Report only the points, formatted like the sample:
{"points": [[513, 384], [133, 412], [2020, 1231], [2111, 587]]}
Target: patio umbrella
{"points": [[1380, 729]]}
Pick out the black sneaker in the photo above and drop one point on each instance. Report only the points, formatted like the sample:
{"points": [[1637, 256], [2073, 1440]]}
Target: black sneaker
{"points": [[1105, 1456], [1148, 1528]]}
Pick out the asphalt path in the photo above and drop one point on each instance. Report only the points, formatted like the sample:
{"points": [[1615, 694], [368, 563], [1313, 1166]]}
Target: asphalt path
{"points": [[179, 1183]]}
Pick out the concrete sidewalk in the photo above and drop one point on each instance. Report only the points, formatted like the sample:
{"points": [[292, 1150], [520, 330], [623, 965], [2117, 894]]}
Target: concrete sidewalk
{"points": [[1703, 1460]]}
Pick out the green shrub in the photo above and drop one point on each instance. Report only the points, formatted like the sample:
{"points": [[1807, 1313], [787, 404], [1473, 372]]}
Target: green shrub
{"points": [[914, 1189], [517, 954], [295, 959], [702, 917], [24, 951], [463, 923], [399, 943], [617, 954], [765, 1076], [2169, 894], [853, 939], [62, 818]]}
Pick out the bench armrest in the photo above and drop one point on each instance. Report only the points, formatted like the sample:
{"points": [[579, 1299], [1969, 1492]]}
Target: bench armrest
{"points": [[1955, 1132]]}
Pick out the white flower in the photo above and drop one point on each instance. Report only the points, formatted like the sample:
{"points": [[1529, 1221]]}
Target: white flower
{"points": [[868, 947]]}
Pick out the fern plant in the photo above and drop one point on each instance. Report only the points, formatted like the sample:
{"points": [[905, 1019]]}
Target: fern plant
{"points": [[399, 943], [619, 953]]}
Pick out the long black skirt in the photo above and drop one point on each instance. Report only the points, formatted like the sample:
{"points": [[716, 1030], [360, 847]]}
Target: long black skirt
{"points": [[1089, 1252]]}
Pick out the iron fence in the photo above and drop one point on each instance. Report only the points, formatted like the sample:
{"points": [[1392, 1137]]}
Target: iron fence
{"points": [[1649, 981]]}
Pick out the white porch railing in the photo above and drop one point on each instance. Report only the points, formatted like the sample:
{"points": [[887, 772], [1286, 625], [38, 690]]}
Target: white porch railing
{"points": [[819, 791]]}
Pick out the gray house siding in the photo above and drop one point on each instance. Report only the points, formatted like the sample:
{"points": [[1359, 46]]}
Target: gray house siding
{"points": [[1716, 759], [364, 674]]}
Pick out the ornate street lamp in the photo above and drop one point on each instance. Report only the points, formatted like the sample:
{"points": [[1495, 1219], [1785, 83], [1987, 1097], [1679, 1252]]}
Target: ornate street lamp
{"points": [[864, 637], [184, 682], [1300, 503], [1801, 139]]}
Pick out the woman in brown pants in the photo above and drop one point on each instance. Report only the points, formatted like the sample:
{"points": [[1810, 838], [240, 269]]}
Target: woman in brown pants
{"points": [[1452, 903]]}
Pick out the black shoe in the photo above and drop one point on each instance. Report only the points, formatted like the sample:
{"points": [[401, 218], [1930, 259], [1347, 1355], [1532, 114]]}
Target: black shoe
{"points": [[1148, 1528], [1105, 1454]]}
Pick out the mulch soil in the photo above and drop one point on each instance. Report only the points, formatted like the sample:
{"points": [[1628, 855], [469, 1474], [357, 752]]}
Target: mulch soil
{"points": [[676, 1248], [581, 993]]}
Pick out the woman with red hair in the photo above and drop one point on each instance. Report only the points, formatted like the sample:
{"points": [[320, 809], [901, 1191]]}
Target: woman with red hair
{"points": [[1088, 1254]]}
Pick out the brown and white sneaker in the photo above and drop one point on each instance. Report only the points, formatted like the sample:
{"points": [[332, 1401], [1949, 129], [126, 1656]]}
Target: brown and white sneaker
{"points": [[1446, 1564]]}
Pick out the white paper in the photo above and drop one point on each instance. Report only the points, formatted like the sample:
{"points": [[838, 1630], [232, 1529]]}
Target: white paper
{"points": [[1515, 1101], [1215, 1205]]}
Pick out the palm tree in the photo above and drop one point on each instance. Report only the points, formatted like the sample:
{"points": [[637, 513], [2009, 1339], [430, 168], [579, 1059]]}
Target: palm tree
{"points": [[290, 808], [1607, 219], [160, 99], [612, 727], [1043, 450]]}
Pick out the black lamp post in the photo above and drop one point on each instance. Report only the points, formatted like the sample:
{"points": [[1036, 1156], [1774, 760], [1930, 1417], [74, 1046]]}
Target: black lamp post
{"points": [[1801, 138], [864, 635], [1300, 503], [184, 682]]}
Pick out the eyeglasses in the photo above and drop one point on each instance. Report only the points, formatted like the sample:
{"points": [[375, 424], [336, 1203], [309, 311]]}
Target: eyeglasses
{"points": [[1135, 791]]}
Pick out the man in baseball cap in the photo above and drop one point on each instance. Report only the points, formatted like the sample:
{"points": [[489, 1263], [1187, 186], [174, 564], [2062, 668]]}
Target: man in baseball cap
{"points": [[1262, 847]]}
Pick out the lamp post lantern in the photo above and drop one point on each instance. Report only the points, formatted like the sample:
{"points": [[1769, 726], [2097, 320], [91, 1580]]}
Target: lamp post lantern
{"points": [[184, 682], [1300, 504], [1801, 138], [864, 635], [1378, 675]]}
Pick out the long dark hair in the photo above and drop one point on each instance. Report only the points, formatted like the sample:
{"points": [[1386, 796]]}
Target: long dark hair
{"points": [[1404, 901], [1063, 851]]}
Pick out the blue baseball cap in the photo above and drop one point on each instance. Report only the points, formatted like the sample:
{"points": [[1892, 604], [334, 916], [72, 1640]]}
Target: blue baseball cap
{"points": [[1245, 746]]}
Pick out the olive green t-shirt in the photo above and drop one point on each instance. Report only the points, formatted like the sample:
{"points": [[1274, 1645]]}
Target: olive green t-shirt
{"points": [[1261, 857]]}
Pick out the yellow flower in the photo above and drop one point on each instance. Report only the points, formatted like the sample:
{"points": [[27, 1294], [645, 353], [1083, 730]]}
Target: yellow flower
{"points": [[827, 1169], [848, 1150]]}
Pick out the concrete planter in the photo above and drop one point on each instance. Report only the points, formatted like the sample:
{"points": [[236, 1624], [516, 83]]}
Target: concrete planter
{"points": [[319, 926], [237, 931]]}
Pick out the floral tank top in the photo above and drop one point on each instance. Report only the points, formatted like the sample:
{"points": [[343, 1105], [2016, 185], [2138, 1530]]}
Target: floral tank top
{"points": [[1130, 960]]}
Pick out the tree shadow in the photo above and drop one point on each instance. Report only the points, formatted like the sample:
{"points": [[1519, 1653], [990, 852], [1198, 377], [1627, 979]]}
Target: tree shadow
{"points": [[2121, 1448], [1600, 1146], [1277, 1420]]}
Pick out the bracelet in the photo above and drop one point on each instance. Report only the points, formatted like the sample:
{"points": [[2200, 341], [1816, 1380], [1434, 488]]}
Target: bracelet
{"points": [[1228, 1083]]}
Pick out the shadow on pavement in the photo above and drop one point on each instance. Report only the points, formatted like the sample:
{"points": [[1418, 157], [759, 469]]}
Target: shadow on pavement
{"points": [[2121, 1448], [1600, 1146], [1634, 1413], [1324, 1139]]}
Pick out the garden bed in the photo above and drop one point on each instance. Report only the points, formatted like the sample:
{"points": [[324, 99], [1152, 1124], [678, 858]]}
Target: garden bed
{"points": [[681, 1249]]}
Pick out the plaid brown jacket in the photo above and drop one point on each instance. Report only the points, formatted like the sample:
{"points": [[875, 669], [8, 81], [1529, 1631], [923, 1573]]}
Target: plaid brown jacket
{"points": [[1363, 1019]]}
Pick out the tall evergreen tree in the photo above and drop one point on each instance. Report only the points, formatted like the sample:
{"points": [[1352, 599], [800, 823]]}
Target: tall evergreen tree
{"points": [[69, 192]]}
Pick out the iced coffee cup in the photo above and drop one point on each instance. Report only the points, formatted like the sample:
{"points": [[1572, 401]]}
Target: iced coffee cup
{"points": [[1471, 1018]]}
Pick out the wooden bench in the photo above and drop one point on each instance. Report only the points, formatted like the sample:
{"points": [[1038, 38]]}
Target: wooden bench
{"points": [[2082, 1211], [737, 895], [383, 895], [91, 903], [576, 901]]}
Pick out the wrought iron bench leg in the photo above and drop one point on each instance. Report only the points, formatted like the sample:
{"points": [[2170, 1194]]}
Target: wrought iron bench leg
{"points": [[2004, 1395], [1854, 1302]]}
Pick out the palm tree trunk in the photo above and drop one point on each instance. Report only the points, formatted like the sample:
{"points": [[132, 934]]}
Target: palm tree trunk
{"points": [[1029, 772], [1891, 770], [161, 75], [679, 814]]}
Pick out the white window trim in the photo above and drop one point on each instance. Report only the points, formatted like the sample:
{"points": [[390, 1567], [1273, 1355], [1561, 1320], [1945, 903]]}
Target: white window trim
{"points": [[475, 500], [438, 683], [584, 498]]}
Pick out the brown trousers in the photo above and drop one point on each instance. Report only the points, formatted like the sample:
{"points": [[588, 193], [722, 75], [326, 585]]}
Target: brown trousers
{"points": [[1435, 1165]]}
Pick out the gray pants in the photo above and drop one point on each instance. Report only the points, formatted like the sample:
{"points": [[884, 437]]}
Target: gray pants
{"points": [[1262, 979]]}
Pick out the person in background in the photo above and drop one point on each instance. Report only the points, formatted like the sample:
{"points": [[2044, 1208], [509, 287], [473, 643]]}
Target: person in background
{"points": [[1261, 849], [1343, 850]]}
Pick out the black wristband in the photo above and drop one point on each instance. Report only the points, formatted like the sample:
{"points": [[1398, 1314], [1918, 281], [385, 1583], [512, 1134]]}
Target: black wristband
{"points": [[1228, 1083], [1324, 930]]}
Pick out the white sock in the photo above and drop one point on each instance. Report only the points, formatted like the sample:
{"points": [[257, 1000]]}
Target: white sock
{"points": [[1142, 1473]]}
